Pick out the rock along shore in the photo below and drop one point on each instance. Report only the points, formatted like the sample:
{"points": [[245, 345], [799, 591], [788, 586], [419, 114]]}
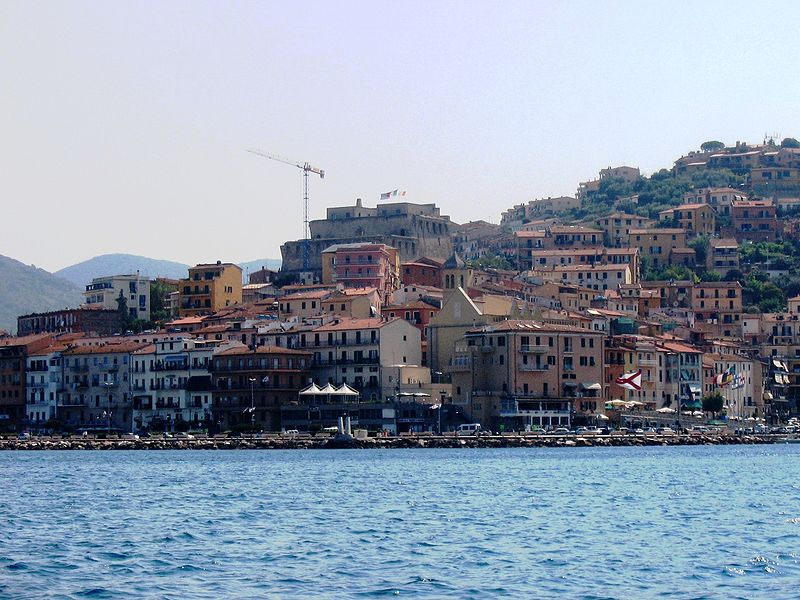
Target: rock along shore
{"points": [[422, 441]]}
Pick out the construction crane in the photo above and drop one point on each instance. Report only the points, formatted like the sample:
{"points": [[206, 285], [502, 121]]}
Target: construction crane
{"points": [[306, 168]]}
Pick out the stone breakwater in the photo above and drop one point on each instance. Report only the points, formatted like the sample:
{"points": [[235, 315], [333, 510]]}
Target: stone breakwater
{"points": [[285, 443]]}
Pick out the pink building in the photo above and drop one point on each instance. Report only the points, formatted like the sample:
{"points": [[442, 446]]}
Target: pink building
{"points": [[368, 265]]}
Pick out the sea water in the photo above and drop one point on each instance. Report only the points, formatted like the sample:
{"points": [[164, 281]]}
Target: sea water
{"points": [[672, 522]]}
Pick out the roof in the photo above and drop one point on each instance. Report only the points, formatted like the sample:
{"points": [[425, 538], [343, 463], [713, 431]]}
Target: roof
{"points": [[531, 327], [693, 206], [724, 243], [235, 350], [24, 340], [310, 294], [364, 291], [107, 348], [594, 267], [348, 324], [454, 262], [186, 321], [655, 230]]}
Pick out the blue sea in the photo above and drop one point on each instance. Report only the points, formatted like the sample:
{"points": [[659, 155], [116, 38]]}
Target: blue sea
{"points": [[678, 522]]}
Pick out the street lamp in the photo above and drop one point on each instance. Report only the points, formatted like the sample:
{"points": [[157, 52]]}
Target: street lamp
{"points": [[108, 385], [252, 403]]}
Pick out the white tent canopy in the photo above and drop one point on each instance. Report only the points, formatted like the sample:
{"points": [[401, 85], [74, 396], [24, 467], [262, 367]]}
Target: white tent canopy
{"points": [[311, 390], [346, 390]]}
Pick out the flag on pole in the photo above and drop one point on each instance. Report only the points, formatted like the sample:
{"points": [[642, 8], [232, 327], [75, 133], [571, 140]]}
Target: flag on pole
{"points": [[723, 379], [630, 381], [738, 382], [386, 195]]}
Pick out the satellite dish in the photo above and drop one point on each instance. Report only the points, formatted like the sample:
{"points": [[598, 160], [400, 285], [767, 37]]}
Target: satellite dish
{"points": [[675, 304]]}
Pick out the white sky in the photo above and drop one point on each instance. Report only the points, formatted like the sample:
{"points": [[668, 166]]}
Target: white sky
{"points": [[123, 124]]}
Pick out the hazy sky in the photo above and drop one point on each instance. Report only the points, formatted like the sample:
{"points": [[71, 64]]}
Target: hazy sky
{"points": [[123, 124]]}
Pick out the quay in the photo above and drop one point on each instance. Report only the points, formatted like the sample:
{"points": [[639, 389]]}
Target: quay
{"points": [[327, 441]]}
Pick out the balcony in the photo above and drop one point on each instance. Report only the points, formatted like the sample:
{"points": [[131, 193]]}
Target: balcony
{"points": [[80, 368], [459, 368], [171, 366], [534, 348], [647, 362], [38, 384], [532, 367]]}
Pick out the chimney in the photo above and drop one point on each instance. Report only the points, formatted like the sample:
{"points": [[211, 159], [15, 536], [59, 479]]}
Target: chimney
{"points": [[358, 202], [219, 262]]}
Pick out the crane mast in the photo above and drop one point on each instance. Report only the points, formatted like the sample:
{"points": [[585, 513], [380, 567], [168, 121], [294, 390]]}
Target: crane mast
{"points": [[306, 168]]}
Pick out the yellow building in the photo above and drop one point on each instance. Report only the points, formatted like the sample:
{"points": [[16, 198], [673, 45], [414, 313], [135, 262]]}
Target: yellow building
{"points": [[656, 245], [209, 288], [694, 219]]}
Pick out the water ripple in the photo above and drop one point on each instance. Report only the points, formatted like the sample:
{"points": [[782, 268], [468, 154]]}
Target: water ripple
{"points": [[510, 523]]}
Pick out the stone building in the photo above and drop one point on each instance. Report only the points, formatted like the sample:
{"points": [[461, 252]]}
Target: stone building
{"points": [[414, 229]]}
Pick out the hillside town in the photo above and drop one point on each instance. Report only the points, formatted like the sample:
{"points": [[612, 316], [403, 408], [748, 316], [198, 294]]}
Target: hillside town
{"points": [[659, 298]]}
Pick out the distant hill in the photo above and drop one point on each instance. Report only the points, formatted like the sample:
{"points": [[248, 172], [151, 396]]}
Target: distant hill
{"points": [[121, 264], [26, 289]]}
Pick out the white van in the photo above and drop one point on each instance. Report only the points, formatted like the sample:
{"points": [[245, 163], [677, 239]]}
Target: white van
{"points": [[469, 429]]}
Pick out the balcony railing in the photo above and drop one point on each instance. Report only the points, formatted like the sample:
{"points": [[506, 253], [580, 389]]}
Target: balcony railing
{"points": [[533, 367], [534, 348]]}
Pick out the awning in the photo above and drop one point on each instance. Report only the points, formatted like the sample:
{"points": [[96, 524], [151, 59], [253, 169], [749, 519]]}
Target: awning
{"points": [[778, 364], [767, 395], [570, 384], [346, 390], [591, 386], [311, 390], [695, 389], [328, 389]]}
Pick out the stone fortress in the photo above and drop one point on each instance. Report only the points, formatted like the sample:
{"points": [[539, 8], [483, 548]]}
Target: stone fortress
{"points": [[414, 229]]}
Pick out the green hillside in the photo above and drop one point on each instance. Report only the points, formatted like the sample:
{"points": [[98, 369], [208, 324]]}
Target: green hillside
{"points": [[25, 289]]}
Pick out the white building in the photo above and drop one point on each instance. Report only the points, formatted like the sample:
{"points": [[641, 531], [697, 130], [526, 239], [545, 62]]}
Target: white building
{"points": [[104, 292], [170, 382]]}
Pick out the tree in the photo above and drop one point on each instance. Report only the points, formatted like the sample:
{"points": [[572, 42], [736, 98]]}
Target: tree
{"points": [[713, 402], [790, 143], [712, 146], [125, 319], [700, 247]]}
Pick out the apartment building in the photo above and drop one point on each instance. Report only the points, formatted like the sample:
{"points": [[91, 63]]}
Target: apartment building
{"points": [[754, 221], [13, 383], [672, 372], [423, 271], [723, 255], [358, 352], [209, 288], [171, 385], [97, 384], [720, 199], [250, 386], [695, 219], [742, 400], [527, 374], [362, 266], [717, 308], [598, 277], [616, 227], [539, 259], [99, 321], [657, 246], [104, 292]]}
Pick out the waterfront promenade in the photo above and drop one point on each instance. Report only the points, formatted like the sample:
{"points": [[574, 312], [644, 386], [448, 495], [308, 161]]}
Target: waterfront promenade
{"points": [[422, 440]]}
